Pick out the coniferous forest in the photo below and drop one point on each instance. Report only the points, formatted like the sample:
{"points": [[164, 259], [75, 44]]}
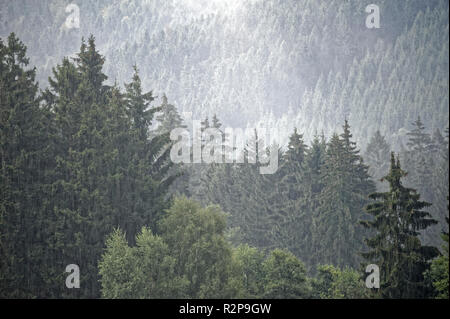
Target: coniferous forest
{"points": [[93, 204]]}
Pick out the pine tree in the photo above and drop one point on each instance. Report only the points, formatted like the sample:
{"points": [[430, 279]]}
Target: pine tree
{"points": [[398, 219], [84, 214], [314, 164], [150, 158], [138, 106], [253, 218], [377, 156], [109, 172], [422, 159], [418, 159], [333, 218], [198, 171], [168, 118], [290, 214], [243, 192], [346, 184], [25, 161], [419, 140]]}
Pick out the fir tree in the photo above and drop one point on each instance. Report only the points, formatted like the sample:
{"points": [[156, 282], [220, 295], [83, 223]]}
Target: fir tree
{"points": [[377, 156], [25, 162], [290, 212], [150, 157], [346, 183], [398, 219], [168, 118]]}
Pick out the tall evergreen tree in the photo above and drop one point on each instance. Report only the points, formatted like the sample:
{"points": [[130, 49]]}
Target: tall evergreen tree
{"points": [[398, 219], [150, 157], [290, 212], [168, 118], [253, 219], [418, 159], [108, 173], [25, 161], [419, 139], [84, 213], [426, 161], [377, 157], [346, 182], [314, 165]]}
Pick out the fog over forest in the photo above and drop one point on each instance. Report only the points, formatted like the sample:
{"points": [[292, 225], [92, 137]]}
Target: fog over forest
{"points": [[358, 116], [309, 64]]}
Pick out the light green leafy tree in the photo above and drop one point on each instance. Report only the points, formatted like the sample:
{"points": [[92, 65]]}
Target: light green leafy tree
{"points": [[143, 271], [334, 283], [285, 276]]}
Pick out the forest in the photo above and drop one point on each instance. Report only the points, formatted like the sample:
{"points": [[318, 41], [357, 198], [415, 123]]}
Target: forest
{"points": [[87, 178]]}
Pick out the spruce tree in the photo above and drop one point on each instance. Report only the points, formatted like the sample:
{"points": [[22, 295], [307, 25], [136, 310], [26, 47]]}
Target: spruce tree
{"points": [[424, 160], [346, 184], [290, 212], [84, 214], [398, 218], [150, 158], [168, 118], [377, 157], [109, 172], [253, 218], [25, 161]]}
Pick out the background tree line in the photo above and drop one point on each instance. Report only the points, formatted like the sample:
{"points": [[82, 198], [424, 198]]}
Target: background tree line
{"points": [[308, 64]]}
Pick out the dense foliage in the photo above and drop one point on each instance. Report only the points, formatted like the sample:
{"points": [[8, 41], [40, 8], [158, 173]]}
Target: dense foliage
{"points": [[77, 162]]}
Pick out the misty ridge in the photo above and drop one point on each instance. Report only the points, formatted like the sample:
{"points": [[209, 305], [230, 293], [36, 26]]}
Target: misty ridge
{"points": [[306, 64], [358, 119]]}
